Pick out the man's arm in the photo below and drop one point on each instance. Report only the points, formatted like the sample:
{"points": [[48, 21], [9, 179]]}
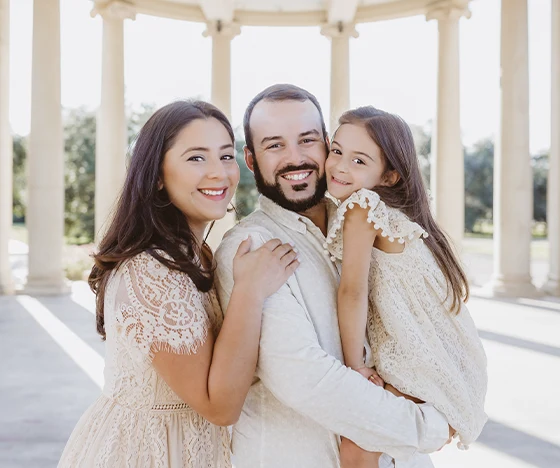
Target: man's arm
{"points": [[294, 367]]}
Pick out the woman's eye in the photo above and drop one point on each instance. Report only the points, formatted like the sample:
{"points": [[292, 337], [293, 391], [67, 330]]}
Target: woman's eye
{"points": [[358, 161], [228, 157], [196, 158]]}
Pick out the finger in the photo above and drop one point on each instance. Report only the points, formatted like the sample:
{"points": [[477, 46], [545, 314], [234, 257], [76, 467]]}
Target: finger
{"points": [[292, 267], [244, 247], [288, 258], [282, 250], [272, 244]]}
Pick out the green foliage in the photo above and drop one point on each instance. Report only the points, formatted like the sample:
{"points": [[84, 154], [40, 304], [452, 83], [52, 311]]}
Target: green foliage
{"points": [[540, 178], [19, 181], [246, 195], [479, 183], [79, 176]]}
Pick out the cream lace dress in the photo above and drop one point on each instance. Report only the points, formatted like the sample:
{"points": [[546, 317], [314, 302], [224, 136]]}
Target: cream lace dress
{"points": [[417, 345], [139, 422]]}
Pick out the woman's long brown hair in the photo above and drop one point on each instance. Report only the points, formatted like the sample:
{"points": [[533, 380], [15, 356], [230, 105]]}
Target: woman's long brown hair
{"points": [[408, 194], [144, 218]]}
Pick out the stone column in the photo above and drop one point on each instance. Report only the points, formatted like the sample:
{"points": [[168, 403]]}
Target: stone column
{"points": [[45, 208], [111, 135], [447, 171], [222, 35], [552, 286], [339, 35], [513, 182], [6, 155]]}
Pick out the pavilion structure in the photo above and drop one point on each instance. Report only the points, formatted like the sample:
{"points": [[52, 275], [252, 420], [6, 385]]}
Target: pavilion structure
{"points": [[225, 19]]}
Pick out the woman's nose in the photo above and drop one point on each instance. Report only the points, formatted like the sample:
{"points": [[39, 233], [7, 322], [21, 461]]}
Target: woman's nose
{"points": [[216, 170]]}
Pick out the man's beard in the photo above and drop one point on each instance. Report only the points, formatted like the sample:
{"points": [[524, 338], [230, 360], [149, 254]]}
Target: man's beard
{"points": [[275, 192]]}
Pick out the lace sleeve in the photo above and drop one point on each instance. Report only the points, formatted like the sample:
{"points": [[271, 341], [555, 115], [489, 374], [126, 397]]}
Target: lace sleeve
{"points": [[159, 309], [391, 222]]}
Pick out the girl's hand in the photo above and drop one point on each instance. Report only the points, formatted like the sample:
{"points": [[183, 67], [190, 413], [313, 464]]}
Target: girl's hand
{"points": [[266, 269], [371, 375]]}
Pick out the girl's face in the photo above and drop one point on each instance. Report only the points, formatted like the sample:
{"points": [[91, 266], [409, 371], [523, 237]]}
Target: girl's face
{"points": [[200, 172], [355, 162]]}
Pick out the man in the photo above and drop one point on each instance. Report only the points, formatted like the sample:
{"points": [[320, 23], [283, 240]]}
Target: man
{"points": [[303, 396]]}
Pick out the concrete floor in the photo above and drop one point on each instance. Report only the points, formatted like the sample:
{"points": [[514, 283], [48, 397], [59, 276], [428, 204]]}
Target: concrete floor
{"points": [[51, 370]]}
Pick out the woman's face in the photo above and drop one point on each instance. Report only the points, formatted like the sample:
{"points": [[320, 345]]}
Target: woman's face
{"points": [[200, 172], [354, 162]]}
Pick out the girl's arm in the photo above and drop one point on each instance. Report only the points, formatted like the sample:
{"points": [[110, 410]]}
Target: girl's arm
{"points": [[215, 380], [358, 239]]}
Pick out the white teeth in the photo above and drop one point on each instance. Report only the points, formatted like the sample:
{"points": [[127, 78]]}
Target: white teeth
{"points": [[213, 193], [301, 176]]}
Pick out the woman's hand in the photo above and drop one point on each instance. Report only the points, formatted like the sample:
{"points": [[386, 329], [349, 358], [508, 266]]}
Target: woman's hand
{"points": [[265, 270], [371, 375]]}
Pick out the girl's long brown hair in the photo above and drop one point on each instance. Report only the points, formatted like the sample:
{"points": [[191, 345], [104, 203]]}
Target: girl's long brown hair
{"points": [[408, 194], [144, 218]]}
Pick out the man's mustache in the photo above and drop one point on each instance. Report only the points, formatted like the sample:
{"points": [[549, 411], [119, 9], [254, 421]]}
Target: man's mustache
{"points": [[294, 168]]}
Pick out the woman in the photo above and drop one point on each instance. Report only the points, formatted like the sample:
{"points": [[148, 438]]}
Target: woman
{"points": [[171, 382]]}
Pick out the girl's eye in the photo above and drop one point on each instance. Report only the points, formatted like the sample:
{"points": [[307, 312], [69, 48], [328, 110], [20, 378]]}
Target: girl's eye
{"points": [[196, 158], [228, 157], [336, 151], [358, 161]]}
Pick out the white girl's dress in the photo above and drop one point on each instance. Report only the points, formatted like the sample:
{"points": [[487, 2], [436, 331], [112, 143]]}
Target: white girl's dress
{"points": [[417, 345], [139, 422]]}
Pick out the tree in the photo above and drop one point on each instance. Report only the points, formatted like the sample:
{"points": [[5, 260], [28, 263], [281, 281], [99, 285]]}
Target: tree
{"points": [[19, 200], [479, 183], [540, 183]]}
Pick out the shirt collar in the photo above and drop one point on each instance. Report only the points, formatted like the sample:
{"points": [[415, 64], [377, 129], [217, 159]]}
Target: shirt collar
{"points": [[290, 219]]}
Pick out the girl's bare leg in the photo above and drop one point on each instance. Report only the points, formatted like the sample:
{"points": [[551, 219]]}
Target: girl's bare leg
{"points": [[352, 456]]}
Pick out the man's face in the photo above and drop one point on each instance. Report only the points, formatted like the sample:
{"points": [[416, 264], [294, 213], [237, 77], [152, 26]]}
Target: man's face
{"points": [[290, 153]]}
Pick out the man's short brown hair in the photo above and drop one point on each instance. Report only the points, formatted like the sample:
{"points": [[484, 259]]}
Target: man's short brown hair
{"points": [[278, 93]]}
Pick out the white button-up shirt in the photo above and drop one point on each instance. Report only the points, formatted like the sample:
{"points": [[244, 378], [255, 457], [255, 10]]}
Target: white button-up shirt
{"points": [[303, 396]]}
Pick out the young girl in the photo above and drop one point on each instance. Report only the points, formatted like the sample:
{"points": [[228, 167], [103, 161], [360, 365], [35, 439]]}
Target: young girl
{"points": [[170, 380], [397, 263]]}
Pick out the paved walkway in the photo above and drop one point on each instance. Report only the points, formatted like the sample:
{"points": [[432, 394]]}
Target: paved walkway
{"points": [[51, 369]]}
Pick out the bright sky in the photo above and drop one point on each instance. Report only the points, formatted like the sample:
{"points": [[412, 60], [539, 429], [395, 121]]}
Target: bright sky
{"points": [[393, 65]]}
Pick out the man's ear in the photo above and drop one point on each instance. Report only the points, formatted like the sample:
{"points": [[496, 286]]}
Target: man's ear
{"points": [[391, 178], [249, 159]]}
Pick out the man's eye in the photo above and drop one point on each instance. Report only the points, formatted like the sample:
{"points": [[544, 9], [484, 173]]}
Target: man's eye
{"points": [[274, 146], [308, 140]]}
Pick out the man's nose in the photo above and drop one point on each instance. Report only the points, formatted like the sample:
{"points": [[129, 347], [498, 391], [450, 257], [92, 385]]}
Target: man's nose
{"points": [[294, 155]]}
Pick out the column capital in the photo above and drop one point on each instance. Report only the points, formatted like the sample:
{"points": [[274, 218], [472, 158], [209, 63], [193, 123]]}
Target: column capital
{"points": [[339, 29], [448, 10], [114, 9], [220, 28]]}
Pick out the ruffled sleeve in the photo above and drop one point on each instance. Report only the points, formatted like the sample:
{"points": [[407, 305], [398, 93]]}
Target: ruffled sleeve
{"points": [[392, 223], [159, 309]]}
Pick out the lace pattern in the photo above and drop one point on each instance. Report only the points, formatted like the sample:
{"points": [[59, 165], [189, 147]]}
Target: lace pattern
{"points": [[391, 222], [140, 421], [417, 345]]}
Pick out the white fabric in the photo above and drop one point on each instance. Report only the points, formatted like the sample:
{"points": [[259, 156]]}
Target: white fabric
{"points": [[417, 344], [139, 421], [303, 396]]}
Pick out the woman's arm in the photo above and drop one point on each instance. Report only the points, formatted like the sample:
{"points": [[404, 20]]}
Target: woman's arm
{"points": [[358, 239], [215, 380]]}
